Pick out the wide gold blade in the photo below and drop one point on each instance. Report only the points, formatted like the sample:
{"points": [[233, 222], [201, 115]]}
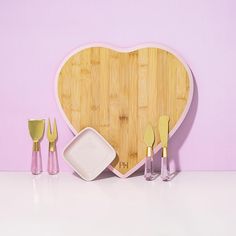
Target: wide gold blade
{"points": [[149, 136], [164, 130], [36, 129]]}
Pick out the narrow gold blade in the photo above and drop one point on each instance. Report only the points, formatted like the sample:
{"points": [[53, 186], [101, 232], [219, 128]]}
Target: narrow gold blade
{"points": [[164, 130], [149, 136]]}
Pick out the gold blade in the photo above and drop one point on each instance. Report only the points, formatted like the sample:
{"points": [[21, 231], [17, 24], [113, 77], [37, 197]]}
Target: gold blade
{"points": [[164, 130], [149, 136], [36, 129]]}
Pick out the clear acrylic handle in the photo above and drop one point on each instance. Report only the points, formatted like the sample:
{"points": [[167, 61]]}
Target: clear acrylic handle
{"points": [[148, 172], [165, 169], [36, 164], [53, 166], [148, 168]]}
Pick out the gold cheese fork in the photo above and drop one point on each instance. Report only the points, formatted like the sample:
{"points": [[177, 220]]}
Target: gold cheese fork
{"points": [[53, 167]]}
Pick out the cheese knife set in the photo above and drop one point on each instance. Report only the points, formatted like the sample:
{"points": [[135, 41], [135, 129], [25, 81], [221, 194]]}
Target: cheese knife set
{"points": [[122, 105], [36, 130]]}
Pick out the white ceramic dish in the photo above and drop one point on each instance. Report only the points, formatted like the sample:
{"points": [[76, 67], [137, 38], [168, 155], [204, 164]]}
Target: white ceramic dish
{"points": [[89, 154]]}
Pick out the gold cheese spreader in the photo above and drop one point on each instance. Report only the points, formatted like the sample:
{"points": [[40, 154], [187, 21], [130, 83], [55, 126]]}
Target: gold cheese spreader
{"points": [[149, 139], [164, 133], [36, 130]]}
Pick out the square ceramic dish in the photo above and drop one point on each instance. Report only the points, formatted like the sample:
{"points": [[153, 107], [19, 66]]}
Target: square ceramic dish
{"points": [[89, 154]]}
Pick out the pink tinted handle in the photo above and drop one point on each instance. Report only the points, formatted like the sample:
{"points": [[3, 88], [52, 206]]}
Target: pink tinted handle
{"points": [[164, 169], [36, 164], [53, 166]]}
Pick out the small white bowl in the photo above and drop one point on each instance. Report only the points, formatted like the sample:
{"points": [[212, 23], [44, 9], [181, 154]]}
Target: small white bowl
{"points": [[89, 154]]}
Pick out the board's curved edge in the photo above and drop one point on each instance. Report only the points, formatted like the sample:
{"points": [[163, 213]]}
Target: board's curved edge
{"points": [[129, 49]]}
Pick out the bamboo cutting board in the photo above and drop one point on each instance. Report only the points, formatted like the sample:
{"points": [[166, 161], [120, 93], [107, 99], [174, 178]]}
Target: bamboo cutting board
{"points": [[119, 92]]}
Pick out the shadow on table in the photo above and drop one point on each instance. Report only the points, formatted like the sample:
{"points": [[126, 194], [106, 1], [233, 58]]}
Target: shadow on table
{"points": [[104, 175]]}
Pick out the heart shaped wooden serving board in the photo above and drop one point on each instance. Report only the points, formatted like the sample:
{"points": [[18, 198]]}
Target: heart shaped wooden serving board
{"points": [[119, 91]]}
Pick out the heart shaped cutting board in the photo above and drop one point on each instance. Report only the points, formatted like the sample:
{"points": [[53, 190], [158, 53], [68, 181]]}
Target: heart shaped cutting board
{"points": [[119, 91]]}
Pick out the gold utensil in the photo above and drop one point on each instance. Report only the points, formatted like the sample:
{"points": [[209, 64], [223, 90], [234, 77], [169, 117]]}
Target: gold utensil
{"points": [[36, 130], [149, 139], [164, 133], [53, 167]]}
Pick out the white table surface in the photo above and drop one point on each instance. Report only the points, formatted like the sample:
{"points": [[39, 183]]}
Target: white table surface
{"points": [[193, 203]]}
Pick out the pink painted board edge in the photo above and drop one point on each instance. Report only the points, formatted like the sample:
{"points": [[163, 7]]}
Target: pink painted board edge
{"points": [[129, 49]]}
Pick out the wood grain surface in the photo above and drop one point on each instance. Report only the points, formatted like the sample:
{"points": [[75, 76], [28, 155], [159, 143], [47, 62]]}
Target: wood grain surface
{"points": [[119, 93]]}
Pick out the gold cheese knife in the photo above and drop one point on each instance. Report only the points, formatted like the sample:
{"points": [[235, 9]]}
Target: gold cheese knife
{"points": [[164, 133], [36, 130], [149, 139]]}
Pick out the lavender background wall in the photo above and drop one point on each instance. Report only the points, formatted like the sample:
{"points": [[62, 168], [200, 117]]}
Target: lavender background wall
{"points": [[35, 36]]}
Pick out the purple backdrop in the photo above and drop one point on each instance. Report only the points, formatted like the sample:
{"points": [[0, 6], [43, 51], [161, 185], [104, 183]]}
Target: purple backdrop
{"points": [[35, 36]]}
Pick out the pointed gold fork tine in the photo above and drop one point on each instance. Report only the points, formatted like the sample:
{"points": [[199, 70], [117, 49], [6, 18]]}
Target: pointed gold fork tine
{"points": [[49, 129], [55, 129]]}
